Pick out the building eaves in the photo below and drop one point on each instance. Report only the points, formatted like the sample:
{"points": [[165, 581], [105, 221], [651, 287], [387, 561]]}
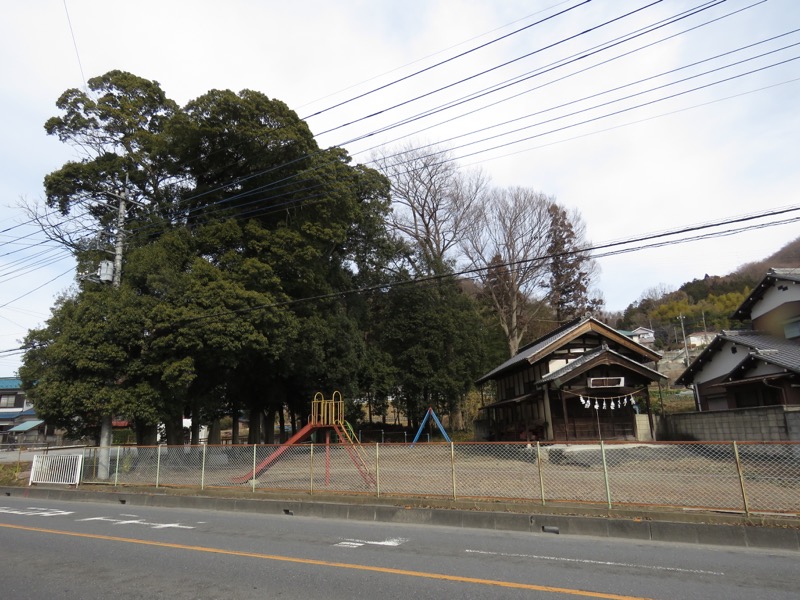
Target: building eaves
{"points": [[577, 364], [545, 345], [774, 275], [774, 350], [530, 350]]}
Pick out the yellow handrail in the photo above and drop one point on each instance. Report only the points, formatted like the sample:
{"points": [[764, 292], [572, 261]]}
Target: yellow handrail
{"points": [[327, 411], [351, 438]]}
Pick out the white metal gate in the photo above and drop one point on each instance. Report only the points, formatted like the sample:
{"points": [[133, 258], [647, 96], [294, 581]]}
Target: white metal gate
{"points": [[57, 468]]}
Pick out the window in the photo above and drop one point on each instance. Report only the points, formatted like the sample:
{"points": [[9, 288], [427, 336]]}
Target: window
{"points": [[791, 329], [7, 400], [606, 382]]}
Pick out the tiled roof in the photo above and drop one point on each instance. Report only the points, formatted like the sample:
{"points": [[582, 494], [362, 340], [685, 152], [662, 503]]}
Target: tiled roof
{"points": [[529, 353], [768, 348], [533, 348], [10, 383], [777, 274], [591, 355], [774, 350]]}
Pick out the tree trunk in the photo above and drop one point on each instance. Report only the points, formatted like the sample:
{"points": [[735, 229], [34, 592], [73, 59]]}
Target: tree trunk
{"points": [[146, 434], [104, 455], [457, 417], [255, 426], [269, 428], [235, 424], [214, 433], [173, 429], [282, 424], [195, 428]]}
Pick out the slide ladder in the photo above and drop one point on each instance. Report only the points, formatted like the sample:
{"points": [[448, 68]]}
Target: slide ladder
{"points": [[356, 451]]}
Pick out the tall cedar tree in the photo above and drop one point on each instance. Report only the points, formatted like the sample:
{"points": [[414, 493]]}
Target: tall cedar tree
{"points": [[570, 269]]}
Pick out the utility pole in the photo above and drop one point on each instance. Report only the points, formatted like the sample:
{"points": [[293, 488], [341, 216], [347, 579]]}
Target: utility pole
{"points": [[120, 241], [685, 346], [106, 420]]}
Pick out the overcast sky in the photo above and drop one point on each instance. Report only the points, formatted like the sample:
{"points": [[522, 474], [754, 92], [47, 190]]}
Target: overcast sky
{"points": [[613, 107]]}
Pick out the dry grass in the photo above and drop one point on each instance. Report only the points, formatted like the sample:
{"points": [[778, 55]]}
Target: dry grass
{"points": [[9, 473]]}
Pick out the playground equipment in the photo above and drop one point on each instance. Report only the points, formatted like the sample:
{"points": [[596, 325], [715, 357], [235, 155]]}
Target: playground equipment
{"points": [[436, 420], [326, 415]]}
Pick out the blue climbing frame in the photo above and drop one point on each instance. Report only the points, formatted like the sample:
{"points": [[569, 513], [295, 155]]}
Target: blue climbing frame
{"points": [[436, 420]]}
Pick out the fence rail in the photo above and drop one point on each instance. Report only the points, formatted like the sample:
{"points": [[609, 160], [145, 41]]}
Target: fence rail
{"points": [[56, 468], [742, 477]]}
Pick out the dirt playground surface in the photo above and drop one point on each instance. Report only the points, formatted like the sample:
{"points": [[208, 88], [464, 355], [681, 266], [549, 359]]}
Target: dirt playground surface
{"points": [[671, 476]]}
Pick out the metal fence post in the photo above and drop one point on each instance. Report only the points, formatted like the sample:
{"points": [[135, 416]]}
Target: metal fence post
{"points": [[253, 480], [116, 471], [158, 464], [453, 467], [539, 464], [203, 469], [741, 479], [378, 469], [311, 472], [605, 473]]}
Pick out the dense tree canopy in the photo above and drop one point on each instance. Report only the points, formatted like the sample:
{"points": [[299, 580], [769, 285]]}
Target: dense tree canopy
{"points": [[258, 268], [236, 219]]}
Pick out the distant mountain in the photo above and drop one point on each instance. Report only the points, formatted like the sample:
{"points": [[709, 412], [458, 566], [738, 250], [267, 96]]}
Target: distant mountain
{"points": [[788, 256], [746, 276], [702, 304]]}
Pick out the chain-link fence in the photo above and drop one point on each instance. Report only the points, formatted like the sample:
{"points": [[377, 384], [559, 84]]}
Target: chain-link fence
{"points": [[743, 477]]}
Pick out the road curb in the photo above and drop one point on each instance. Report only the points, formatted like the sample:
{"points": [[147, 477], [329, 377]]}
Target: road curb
{"points": [[658, 527]]}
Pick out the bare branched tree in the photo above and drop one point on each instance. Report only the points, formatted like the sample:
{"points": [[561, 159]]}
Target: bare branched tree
{"points": [[76, 232], [508, 246], [434, 203]]}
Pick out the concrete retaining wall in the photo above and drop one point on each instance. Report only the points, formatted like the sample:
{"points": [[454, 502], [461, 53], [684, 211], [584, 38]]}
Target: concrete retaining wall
{"points": [[763, 424]]}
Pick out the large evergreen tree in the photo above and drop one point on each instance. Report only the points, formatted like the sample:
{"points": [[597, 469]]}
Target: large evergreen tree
{"points": [[236, 220], [570, 267]]}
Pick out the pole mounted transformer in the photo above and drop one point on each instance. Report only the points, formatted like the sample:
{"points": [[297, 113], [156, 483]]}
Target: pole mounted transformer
{"points": [[105, 272]]}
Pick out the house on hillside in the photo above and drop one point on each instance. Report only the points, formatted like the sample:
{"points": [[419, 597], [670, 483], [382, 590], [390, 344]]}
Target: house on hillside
{"points": [[641, 335], [698, 339], [758, 367], [583, 381]]}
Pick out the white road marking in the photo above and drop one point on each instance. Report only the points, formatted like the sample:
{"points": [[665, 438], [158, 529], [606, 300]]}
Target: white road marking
{"points": [[595, 562], [138, 522], [391, 542], [34, 511]]}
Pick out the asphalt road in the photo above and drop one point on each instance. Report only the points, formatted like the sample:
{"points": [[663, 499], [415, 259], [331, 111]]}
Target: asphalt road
{"points": [[79, 550]]}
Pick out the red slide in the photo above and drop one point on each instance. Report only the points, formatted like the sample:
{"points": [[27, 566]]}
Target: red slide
{"points": [[267, 462]]}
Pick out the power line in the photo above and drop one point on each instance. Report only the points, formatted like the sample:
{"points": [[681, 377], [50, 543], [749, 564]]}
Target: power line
{"points": [[437, 53], [646, 241], [579, 56], [500, 66], [242, 179], [679, 16], [256, 210], [439, 64], [28, 293]]}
